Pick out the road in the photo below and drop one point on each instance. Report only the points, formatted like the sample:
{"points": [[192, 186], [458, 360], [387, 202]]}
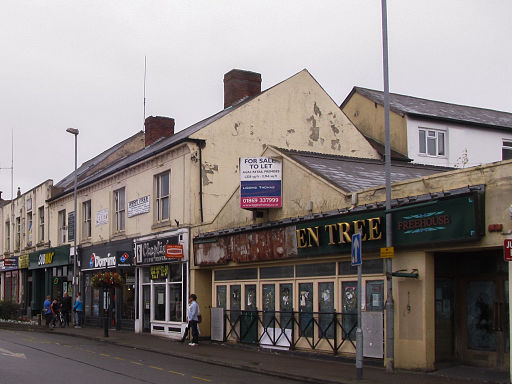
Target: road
{"points": [[29, 357]]}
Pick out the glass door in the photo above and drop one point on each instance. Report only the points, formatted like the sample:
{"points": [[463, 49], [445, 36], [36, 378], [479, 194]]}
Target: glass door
{"points": [[146, 308]]}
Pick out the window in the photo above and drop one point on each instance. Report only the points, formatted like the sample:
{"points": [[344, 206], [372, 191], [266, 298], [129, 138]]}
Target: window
{"points": [[62, 226], [506, 150], [29, 229], [18, 234], [119, 210], [41, 225], [162, 196], [7, 236], [432, 143], [86, 223]]}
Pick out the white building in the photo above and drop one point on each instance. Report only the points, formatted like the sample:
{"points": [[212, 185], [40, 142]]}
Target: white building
{"points": [[432, 132]]}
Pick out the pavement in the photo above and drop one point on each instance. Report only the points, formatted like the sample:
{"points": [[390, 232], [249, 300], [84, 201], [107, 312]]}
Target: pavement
{"points": [[306, 368]]}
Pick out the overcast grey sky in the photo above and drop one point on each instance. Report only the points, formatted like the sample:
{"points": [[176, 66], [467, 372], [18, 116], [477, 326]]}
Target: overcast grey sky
{"points": [[67, 63]]}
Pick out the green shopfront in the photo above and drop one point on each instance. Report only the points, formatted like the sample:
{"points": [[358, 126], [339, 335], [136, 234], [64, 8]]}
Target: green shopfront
{"points": [[50, 275], [293, 286]]}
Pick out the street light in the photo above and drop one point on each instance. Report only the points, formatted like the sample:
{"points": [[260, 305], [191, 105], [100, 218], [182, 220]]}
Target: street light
{"points": [[74, 132]]}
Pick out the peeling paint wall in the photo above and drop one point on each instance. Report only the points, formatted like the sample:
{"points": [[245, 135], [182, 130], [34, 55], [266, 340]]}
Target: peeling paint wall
{"points": [[295, 114]]}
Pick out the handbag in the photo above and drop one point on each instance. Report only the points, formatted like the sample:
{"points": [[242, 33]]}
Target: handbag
{"points": [[199, 318]]}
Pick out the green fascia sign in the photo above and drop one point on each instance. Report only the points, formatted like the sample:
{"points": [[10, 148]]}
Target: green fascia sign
{"points": [[453, 219], [52, 257]]}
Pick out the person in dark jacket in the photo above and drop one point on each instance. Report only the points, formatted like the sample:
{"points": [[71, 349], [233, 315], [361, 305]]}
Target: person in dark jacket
{"points": [[55, 309], [66, 308]]}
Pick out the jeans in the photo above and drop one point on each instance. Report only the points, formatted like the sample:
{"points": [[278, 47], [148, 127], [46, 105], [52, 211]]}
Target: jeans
{"points": [[78, 318], [192, 325]]}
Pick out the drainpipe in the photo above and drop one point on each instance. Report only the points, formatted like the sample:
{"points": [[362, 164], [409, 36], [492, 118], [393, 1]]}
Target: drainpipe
{"points": [[201, 181]]}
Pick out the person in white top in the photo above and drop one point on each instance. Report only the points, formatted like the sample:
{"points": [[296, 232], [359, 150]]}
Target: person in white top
{"points": [[193, 318]]}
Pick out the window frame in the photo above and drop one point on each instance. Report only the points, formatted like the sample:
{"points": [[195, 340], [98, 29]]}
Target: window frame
{"points": [[61, 225], [119, 212], [17, 241], [40, 232], [159, 198], [506, 145], [427, 134], [30, 225], [86, 219], [7, 247]]}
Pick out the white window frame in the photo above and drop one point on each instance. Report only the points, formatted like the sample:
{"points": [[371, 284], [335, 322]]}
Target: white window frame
{"points": [[17, 242], [506, 145], [62, 226], [40, 233], [30, 225], [433, 134], [161, 198], [119, 210], [86, 219], [7, 236]]}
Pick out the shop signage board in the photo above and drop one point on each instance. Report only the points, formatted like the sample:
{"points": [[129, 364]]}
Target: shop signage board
{"points": [[507, 249], [109, 255], [9, 264], [138, 206], [102, 217], [260, 182], [23, 261], [158, 251], [52, 257], [446, 220]]}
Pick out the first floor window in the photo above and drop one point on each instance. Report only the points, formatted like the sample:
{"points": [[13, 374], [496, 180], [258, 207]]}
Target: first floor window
{"points": [[62, 226], [119, 209], [7, 236], [41, 225], [18, 233], [432, 142], [86, 215], [506, 150], [162, 196]]}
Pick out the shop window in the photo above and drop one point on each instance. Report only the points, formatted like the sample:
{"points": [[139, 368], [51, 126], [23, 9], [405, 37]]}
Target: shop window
{"points": [[128, 297], [236, 274], [86, 219], [432, 142], [349, 313], [221, 296], [280, 272], [319, 269], [286, 305], [40, 235], [269, 305], [62, 226], [29, 229], [175, 302], [159, 302], [7, 286], [250, 298], [306, 309], [235, 301], [327, 316], [375, 266], [506, 150], [119, 210], [162, 196], [375, 295], [175, 272]]}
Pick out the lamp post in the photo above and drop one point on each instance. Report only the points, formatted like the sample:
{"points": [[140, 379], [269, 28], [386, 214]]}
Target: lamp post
{"points": [[74, 132]]}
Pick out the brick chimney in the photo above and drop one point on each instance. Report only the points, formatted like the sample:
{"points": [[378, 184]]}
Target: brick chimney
{"points": [[239, 84], [156, 127]]}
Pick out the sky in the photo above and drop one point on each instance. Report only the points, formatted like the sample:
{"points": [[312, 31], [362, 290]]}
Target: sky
{"points": [[80, 64]]}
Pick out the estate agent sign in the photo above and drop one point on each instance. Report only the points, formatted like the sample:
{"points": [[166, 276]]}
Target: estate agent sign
{"points": [[260, 182]]}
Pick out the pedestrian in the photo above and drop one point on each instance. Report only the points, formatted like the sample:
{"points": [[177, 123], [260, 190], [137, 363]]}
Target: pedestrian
{"points": [[47, 312], [55, 309], [78, 308], [193, 318], [66, 308]]}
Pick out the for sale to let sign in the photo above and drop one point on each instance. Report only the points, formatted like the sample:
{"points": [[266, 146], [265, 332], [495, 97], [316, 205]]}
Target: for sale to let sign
{"points": [[260, 182]]}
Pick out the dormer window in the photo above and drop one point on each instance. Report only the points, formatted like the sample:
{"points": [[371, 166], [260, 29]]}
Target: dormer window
{"points": [[432, 142]]}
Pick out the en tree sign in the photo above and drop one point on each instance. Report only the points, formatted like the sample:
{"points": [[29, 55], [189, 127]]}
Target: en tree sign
{"points": [[507, 249]]}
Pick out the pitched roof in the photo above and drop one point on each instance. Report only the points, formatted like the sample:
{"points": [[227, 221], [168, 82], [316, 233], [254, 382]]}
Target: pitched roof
{"points": [[354, 174], [414, 106]]}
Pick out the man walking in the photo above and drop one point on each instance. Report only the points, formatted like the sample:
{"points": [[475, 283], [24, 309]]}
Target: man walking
{"points": [[66, 308], [193, 317]]}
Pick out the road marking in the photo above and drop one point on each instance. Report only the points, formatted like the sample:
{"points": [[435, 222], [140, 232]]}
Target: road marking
{"points": [[118, 358], [200, 378], [88, 350], [136, 363], [104, 354], [176, 373], [158, 368], [5, 352]]}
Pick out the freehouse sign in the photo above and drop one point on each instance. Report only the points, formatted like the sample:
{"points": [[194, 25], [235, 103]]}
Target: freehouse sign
{"points": [[447, 220]]}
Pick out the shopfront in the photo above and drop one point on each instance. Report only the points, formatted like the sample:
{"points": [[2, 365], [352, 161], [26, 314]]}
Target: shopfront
{"points": [[11, 280], [162, 283], [114, 256], [293, 286], [50, 274]]}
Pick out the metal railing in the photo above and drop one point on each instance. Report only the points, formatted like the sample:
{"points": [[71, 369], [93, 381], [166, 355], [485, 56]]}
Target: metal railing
{"points": [[290, 330]]}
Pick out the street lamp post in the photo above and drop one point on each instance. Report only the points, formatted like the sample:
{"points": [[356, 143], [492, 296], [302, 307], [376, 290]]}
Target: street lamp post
{"points": [[75, 132]]}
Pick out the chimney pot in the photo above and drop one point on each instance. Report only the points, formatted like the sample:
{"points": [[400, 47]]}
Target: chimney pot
{"points": [[239, 84], [18, 194], [157, 127]]}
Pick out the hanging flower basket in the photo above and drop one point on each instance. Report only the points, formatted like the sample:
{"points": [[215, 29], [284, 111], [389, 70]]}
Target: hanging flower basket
{"points": [[107, 280]]}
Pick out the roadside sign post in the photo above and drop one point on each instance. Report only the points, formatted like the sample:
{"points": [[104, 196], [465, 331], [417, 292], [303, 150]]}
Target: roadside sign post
{"points": [[357, 260]]}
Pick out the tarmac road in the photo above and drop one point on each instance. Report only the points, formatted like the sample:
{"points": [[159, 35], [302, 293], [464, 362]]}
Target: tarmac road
{"points": [[29, 357]]}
